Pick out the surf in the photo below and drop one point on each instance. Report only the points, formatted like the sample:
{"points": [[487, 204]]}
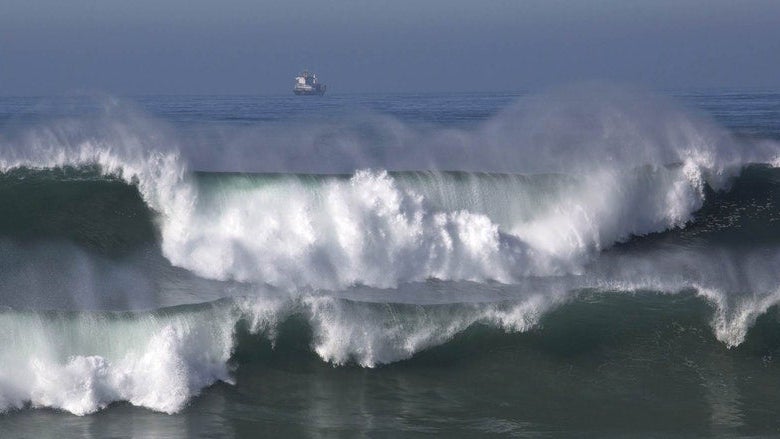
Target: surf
{"points": [[82, 362], [126, 263]]}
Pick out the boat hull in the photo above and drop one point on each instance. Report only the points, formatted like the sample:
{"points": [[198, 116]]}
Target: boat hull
{"points": [[309, 92]]}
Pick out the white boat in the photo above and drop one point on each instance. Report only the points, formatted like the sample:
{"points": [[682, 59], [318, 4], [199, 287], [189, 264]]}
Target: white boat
{"points": [[306, 84]]}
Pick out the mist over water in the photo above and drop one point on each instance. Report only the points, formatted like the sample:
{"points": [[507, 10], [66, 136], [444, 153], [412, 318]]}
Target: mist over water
{"points": [[576, 129], [149, 254]]}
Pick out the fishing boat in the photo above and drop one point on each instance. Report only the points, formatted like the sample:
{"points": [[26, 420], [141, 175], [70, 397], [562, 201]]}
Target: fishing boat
{"points": [[306, 84]]}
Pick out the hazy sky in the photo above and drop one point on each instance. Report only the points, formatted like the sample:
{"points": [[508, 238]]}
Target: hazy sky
{"points": [[257, 46]]}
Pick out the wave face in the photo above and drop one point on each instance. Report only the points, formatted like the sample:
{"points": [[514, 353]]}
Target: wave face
{"points": [[371, 241]]}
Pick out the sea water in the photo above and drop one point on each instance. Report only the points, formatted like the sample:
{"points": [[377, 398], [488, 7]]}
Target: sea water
{"points": [[590, 260]]}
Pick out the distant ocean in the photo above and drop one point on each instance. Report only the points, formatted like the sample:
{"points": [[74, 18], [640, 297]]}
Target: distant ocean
{"points": [[590, 261]]}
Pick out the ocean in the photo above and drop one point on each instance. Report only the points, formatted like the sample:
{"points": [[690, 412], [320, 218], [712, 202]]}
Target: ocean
{"points": [[592, 260]]}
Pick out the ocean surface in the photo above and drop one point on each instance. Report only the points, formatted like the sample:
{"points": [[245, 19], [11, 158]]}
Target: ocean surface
{"points": [[592, 260]]}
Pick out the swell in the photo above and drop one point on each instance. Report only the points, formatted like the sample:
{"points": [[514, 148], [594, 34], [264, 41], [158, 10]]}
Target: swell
{"points": [[82, 362], [76, 204]]}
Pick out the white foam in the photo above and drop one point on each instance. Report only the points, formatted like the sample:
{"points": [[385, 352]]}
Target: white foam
{"points": [[732, 321], [365, 230], [82, 363]]}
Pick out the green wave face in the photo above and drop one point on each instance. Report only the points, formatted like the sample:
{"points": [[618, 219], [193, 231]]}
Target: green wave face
{"points": [[74, 204]]}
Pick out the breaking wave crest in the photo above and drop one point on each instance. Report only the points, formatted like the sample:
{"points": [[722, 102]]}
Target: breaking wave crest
{"points": [[82, 362], [378, 229]]}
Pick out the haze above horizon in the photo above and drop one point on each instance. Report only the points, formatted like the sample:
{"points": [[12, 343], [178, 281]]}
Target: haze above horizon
{"points": [[196, 47]]}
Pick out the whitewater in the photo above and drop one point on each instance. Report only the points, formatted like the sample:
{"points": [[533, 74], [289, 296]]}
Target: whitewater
{"points": [[143, 259]]}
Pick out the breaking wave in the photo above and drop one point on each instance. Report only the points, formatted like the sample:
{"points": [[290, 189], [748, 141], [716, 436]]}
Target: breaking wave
{"points": [[520, 216], [82, 362]]}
